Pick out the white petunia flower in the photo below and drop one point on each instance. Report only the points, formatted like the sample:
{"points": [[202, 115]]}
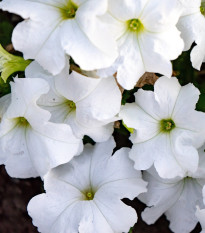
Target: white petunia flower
{"points": [[192, 26], [88, 105], [85, 195], [167, 128], [177, 198], [54, 28], [147, 38], [30, 145]]}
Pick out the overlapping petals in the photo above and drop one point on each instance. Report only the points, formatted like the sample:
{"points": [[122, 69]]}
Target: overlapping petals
{"points": [[30, 144], [177, 198], [192, 26], [89, 105], [168, 128], [85, 194], [52, 29], [147, 38]]}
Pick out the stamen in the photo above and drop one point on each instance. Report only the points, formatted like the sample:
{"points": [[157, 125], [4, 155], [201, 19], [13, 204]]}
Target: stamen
{"points": [[166, 125], [135, 25]]}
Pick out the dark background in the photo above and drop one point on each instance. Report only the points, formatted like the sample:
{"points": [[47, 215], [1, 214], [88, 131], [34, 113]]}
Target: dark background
{"points": [[15, 193]]}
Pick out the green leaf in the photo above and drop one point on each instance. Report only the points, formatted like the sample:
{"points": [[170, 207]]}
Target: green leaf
{"points": [[4, 87], [10, 64], [131, 130], [131, 230]]}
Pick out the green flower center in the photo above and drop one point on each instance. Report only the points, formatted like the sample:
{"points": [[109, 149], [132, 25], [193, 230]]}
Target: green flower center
{"points": [[68, 11], [89, 195], [135, 25], [22, 121], [202, 8], [166, 125], [71, 104]]}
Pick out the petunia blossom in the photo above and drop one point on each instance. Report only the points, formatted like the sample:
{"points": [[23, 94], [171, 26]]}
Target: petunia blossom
{"points": [[167, 128], [192, 26], [177, 198], [147, 37], [30, 145], [89, 105], [84, 196], [54, 28]]}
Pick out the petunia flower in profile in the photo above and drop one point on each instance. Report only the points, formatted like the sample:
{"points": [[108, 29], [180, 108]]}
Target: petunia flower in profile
{"points": [[52, 29], [167, 128], [177, 197], [200, 213], [84, 196], [192, 26], [30, 145], [147, 37], [89, 105]]}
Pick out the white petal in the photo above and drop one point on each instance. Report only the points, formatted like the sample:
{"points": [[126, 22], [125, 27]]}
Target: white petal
{"points": [[186, 117], [135, 117], [102, 104], [161, 195], [34, 70], [169, 41], [128, 73], [24, 94], [182, 215], [200, 214], [88, 42], [186, 26], [166, 93], [53, 145], [119, 216], [46, 209], [75, 86], [46, 46], [163, 156], [124, 10], [4, 103], [153, 61], [163, 14], [17, 156]]}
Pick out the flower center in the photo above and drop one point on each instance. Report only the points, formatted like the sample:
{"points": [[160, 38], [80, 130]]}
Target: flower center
{"points": [[202, 8], [68, 11], [22, 121], [135, 25], [71, 104], [166, 125], [89, 195]]}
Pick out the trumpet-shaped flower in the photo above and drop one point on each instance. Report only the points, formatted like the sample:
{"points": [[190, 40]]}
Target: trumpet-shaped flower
{"points": [[30, 145], [147, 38], [52, 29], [177, 198], [167, 128], [85, 195], [88, 105], [192, 26]]}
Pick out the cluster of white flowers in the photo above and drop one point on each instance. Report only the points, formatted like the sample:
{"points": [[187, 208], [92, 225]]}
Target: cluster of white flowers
{"points": [[85, 53]]}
